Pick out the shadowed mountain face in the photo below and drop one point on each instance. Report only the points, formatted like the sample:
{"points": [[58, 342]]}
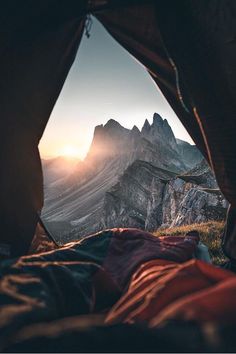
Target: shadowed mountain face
{"points": [[78, 203], [149, 198]]}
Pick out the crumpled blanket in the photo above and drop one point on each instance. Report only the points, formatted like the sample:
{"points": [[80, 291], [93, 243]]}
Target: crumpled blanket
{"points": [[161, 291], [80, 278]]}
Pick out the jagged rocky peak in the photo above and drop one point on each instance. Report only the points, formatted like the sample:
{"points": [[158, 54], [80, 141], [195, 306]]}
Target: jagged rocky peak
{"points": [[159, 131], [157, 120], [163, 126], [112, 124], [98, 130], [111, 128], [135, 130], [114, 128], [166, 127], [146, 127], [108, 140]]}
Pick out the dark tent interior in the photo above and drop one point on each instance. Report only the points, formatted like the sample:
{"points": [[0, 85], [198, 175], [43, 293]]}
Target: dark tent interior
{"points": [[189, 49]]}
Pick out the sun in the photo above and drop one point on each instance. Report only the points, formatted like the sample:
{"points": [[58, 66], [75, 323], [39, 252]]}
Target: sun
{"points": [[70, 151]]}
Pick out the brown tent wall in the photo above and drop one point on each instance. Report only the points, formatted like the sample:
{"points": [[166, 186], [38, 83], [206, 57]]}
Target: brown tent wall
{"points": [[39, 41], [188, 46], [204, 49]]}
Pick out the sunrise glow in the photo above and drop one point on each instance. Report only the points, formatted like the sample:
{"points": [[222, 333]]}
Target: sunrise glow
{"points": [[70, 151]]}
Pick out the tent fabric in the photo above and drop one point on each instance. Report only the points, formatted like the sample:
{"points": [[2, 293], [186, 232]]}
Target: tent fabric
{"points": [[134, 25], [38, 46], [161, 291], [77, 335], [80, 278], [58, 300], [188, 46], [41, 242]]}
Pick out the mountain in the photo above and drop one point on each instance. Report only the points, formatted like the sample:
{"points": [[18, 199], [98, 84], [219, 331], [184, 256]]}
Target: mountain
{"points": [[127, 202], [157, 145], [75, 204], [147, 197]]}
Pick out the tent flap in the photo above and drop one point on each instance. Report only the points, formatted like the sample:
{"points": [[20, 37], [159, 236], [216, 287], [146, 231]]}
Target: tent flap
{"points": [[189, 48], [38, 46]]}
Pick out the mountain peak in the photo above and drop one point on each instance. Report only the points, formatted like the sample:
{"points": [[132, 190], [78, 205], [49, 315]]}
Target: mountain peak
{"points": [[167, 129], [157, 119], [112, 123], [165, 122], [146, 127], [99, 127], [135, 129]]}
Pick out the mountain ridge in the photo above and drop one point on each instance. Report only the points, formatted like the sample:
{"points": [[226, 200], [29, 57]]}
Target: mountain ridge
{"points": [[78, 199]]}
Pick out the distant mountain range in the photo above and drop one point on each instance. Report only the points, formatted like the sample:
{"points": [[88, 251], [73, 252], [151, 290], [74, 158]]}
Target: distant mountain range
{"points": [[129, 178]]}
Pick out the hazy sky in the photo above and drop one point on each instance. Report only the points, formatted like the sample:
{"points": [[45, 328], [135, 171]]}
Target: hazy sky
{"points": [[104, 82]]}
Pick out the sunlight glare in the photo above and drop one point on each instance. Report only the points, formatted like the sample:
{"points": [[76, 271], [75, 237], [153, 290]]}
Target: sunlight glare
{"points": [[70, 151]]}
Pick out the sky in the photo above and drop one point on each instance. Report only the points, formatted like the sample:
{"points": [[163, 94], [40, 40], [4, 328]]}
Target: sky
{"points": [[104, 82]]}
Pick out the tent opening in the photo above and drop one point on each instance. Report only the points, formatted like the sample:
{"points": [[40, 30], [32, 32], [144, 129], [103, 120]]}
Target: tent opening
{"points": [[110, 121], [120, 282]]}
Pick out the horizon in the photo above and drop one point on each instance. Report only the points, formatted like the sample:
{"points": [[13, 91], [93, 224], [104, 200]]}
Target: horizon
{"points": [[105, 82]]}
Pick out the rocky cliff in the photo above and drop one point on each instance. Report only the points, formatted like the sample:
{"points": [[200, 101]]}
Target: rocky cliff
{"points": [[149, 198], [132, 178]]}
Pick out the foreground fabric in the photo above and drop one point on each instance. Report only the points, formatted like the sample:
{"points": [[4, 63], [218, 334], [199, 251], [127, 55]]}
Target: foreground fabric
{"points": [[193, 291], [111, 291], [81, 278]]}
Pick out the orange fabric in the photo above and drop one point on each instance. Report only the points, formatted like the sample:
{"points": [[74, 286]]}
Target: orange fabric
{"points": [[161, 290]]}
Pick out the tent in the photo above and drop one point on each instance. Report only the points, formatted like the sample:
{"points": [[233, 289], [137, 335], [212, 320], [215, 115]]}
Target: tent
{"points": [[188, 47]]}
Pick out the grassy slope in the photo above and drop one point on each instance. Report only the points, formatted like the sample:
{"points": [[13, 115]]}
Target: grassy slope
{"points": [[210, 233]]}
